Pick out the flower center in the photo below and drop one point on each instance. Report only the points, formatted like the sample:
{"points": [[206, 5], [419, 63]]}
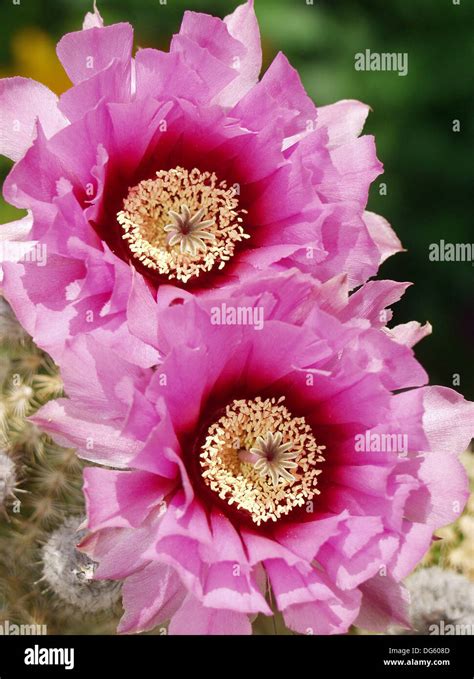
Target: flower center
{"points": [[261, 459], [182, 223]]}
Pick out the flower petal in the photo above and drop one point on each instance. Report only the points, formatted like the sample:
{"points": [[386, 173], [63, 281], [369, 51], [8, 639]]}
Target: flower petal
{"points": [[242, 25], [194, 618], [448, 420], [121, 499], [23, 102], [384, 603], [344, 120], [98, 442], [85, 53], [150, 598], [383, 235], [324, 617]]}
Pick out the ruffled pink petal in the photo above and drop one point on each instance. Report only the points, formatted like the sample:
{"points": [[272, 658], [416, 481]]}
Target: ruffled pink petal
{"points": [[182, 552], [194, 618], [99, 442], [356, 167], [142, 314], [348, 247], [372, 299], [448, 420], [116, 335], [120, 552], [93, 19], [182, 521], [186, 544], [443, 493], [414, 543], [207, 47], [278, 100], [408, 409], [384, 603], [150, 598], [344, 120], [39, 162], [112, 84], [360, 400], [383, 235], [333, 295], [121, 499], [334, 616], [166, 75], [229, 50], [23, 102], [242, 25], [182, 381], [296, 585], [226, 541], [410, 333], [161, 436], [17, 230], [289, 180], [111, 383], [227, 585], [85, 53], [306, 539], [44, 324], [261, 548], [348, 570], [393, 361], [141, 418]]}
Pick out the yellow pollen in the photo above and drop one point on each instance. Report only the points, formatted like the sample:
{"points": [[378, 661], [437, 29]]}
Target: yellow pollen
{"points": [[260, 459], [182, 223]]}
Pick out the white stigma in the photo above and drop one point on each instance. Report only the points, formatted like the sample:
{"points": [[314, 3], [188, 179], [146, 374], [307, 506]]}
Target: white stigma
{"points": [[274, 458], [189, 231]]}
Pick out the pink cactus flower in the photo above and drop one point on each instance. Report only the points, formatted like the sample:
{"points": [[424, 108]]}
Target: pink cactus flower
{"points": [[284, 455], [179, 168]]}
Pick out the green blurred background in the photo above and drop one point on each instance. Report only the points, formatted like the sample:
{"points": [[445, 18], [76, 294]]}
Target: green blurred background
{"points": [[428, 167]]}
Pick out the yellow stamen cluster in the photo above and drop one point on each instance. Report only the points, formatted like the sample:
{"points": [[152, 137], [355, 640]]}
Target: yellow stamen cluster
{"points": [[156, 209], [228, 469]]}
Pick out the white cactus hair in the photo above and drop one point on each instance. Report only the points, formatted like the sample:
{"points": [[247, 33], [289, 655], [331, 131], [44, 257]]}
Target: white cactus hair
{"points": [[8, 478], [439, 595], [69, 572]]}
